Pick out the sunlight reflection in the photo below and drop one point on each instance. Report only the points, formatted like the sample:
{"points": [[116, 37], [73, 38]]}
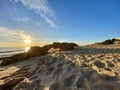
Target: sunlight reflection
{"points": [[26, 49]]}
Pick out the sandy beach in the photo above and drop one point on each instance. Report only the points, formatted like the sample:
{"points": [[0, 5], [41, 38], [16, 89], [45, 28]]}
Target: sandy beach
{"points": [[59, 44], [85, 68]]}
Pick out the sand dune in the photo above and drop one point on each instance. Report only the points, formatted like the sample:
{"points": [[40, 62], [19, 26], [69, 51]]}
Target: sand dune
{"points": [[85, 68]]}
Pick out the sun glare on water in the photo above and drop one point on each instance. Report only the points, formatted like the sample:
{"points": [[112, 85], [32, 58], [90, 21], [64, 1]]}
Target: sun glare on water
{"points": [[27, 42], [26, 49]]}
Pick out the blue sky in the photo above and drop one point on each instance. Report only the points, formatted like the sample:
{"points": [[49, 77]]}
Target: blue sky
{"points": [[46, 21]]}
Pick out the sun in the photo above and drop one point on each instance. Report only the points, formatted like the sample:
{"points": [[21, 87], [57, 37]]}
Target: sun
{"points": [[27, 41]]}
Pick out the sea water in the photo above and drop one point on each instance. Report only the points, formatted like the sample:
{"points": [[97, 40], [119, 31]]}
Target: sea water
{"points": [[9, 51]]}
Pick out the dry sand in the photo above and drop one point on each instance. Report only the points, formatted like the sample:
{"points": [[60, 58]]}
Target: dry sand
{"points": [[86, 68]]}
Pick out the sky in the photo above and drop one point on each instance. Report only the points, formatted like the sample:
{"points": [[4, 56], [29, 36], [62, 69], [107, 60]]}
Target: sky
{"points": [[40, 22]]}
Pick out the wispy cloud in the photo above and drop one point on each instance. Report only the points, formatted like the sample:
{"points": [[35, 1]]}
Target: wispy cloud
{"points": [[15, 35], [23, 19], [43, 8], [27, 20]]}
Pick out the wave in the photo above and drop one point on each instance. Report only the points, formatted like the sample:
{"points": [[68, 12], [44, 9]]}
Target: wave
{"points": [[9, 51]]}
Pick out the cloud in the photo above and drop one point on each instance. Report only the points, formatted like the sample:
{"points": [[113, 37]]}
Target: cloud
{"points": [[27, 20], [23, 19], [41, 7], [14, 35]]}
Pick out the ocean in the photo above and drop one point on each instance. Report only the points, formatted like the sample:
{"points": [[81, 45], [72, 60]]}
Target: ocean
{"points": [[9, 51]]}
